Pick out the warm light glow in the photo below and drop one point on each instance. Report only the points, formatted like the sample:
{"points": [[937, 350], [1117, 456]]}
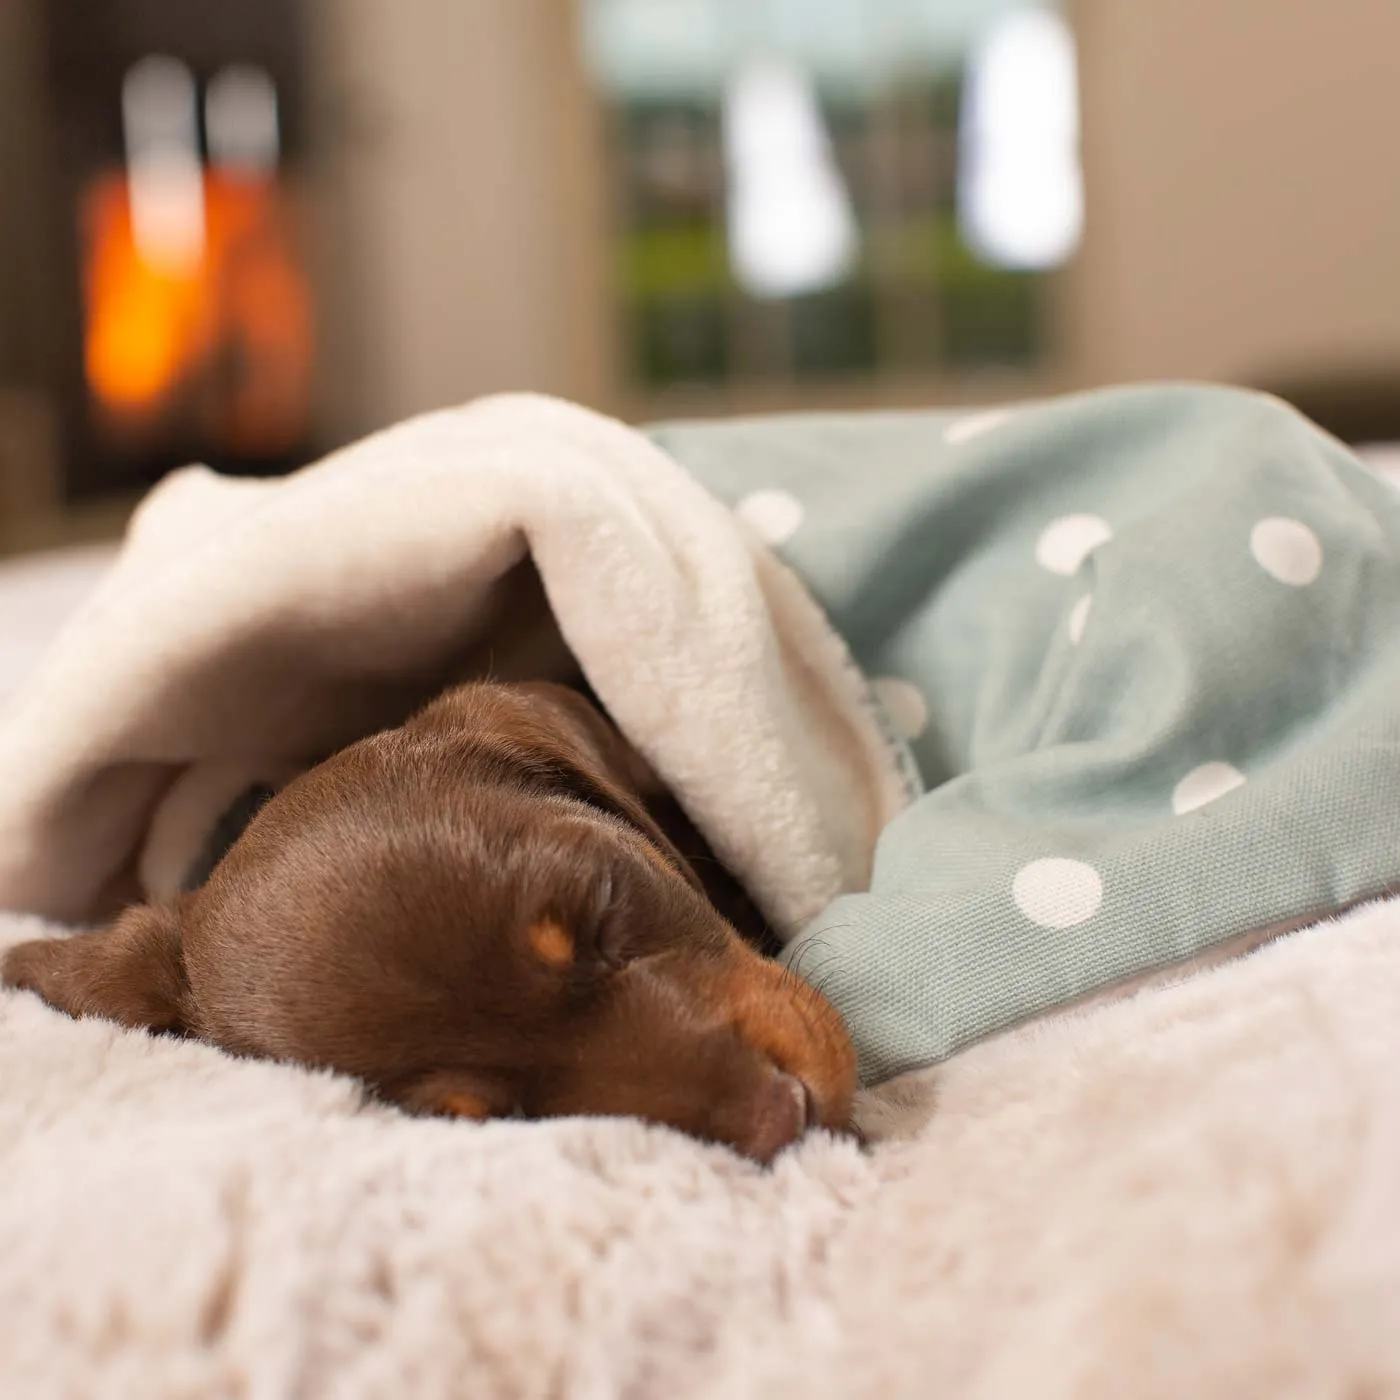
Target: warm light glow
{"points": [[225, 341], [240, 120], [791, 229], [1020, 186], [160, 123], [139, 319]]}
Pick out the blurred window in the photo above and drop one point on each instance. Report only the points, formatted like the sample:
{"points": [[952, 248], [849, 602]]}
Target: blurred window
{"points": [[816, 187]]}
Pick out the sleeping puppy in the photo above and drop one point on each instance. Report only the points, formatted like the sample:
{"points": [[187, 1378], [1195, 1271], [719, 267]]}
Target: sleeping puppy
{"points": [[476, 914]]}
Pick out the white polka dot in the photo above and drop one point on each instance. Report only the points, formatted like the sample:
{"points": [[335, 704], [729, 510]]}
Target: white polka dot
{"points": [[775, 515], [1057, 893], [965, 429], [1205, 784], [1287, 550], [1064, 543], [1078, 616], [907, 708]]}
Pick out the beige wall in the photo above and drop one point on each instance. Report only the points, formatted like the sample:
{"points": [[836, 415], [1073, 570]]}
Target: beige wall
{"points": [[1243, 188], [462, 205]]}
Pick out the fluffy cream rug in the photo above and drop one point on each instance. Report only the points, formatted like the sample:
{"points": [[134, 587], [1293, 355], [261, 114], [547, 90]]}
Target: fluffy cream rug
{"points": [[1192, 1192]]}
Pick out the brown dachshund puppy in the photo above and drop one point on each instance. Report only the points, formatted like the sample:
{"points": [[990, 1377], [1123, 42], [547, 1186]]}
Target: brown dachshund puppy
{"points": [[476, 914]]}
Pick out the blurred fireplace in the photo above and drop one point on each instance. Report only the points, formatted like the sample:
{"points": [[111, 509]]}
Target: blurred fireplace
{"points": [[191, 318]]}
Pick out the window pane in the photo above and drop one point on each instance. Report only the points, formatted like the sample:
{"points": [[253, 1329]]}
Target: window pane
{"points": [[830, 187]]}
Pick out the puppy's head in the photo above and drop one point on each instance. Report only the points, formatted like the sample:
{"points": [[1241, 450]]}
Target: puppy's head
{"points": [[475, 915]]}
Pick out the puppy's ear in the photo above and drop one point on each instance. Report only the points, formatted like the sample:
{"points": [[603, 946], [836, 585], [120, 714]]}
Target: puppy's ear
{"points": [[599, 739], [132, 973], [588, 756], [452, 1094]]}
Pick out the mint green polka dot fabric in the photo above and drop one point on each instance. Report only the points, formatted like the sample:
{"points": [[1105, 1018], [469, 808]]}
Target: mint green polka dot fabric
{"points": [[1144, 645]]}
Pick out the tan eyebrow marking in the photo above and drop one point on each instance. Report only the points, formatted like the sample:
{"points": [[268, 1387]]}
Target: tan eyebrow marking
{"points": [[464, 1105], [552, 942]]}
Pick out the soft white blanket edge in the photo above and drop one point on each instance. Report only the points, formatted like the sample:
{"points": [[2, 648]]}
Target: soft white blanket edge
{"points": [[247, 624]]}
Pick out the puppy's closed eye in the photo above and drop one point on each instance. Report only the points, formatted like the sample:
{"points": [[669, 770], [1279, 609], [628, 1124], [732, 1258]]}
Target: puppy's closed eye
{"points": [[602, 928], [598, 943]]}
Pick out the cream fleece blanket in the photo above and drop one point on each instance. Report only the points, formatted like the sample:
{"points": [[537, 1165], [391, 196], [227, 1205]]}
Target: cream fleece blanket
{"points": [[251, 627]]}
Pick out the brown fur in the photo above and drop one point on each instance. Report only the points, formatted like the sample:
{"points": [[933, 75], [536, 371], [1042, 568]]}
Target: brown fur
{"points": [[476, 914]]}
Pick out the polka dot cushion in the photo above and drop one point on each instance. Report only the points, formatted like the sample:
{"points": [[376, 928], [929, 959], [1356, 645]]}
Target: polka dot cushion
{"points": [[1145, 648]]}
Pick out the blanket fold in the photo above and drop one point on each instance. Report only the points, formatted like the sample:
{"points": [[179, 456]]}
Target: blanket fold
{"points": [[250, 627]]}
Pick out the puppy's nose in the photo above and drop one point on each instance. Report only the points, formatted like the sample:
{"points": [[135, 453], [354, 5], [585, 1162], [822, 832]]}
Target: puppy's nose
{"points": [[782, 1114]]}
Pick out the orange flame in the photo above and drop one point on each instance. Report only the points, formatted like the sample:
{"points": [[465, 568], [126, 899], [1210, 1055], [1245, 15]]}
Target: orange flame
{"points": [[224, 344]]}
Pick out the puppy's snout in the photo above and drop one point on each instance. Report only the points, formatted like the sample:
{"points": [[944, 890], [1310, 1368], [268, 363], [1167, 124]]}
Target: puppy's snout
{"points": [[782, 1114]]}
